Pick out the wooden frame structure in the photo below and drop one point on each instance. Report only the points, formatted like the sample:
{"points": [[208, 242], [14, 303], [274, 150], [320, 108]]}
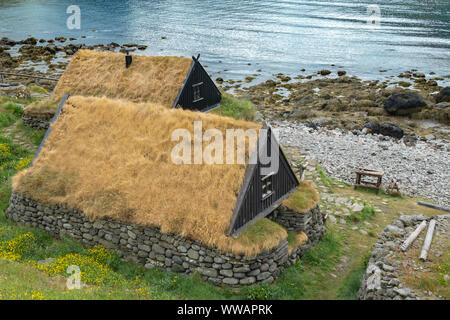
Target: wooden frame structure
{"points": [[370, 173]]}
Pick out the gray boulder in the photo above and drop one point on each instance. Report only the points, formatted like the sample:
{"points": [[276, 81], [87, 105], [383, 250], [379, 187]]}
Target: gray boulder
{"points": [[384, 128], [402, 103], [444, 95], [30, 40], [7, 42], [442, 105]]}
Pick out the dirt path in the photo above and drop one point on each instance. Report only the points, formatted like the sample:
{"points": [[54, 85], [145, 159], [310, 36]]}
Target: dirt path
{"points": [[17, 136]]}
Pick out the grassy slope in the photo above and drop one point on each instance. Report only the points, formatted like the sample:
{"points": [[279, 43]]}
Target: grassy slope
{"points": [[235, 108], [331, 270]]}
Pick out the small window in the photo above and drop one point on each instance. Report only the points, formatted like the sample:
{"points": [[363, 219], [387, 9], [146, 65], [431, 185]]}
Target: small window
{"points": [[267, 186], [197, 92]]}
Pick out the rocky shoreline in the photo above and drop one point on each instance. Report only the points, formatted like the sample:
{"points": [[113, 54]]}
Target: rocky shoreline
{"points": [[413, 103], [47, 58], [420, 170]]}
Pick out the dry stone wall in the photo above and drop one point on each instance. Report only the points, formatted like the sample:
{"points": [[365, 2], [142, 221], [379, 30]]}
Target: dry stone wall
{"points": [[150, 247], [36, 123], [310, 222], [381, 280]]}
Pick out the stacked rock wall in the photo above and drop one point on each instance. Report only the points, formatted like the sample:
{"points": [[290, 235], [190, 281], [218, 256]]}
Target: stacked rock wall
{"points": [[310, 222], [381, 279], [150, 247], [36, 123]]}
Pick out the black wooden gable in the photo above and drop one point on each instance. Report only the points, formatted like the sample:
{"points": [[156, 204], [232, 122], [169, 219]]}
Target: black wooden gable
{"points": [[198, 91], [260, 194]]}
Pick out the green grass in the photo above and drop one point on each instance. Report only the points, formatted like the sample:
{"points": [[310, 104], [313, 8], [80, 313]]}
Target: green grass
{"points": [[303, 199], [35, 136], [5, 100], [306, 279], [10, 157], [309, 277], [352, 281], [235, 108], [10, 113], [21, 282], [13, 109], [327, 182], [6, 119], [115, 276], [381, 192], [432, 275], [37, 89], [292, 239], [365, 214], [260, 231]]}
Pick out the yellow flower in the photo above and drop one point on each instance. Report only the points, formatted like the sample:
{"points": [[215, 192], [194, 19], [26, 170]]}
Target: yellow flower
{"points": [[13, 250], [23, 163]]}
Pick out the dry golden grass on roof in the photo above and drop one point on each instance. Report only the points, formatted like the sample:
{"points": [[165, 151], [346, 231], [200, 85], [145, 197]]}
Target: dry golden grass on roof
{"points": [[296, 239], [303, 199], [111, 158], [44, 109], [98, 73]]}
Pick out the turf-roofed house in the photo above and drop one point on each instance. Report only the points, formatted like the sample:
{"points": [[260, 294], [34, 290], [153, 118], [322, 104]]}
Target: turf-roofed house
{"points": [[172, 82], [106, 174]]}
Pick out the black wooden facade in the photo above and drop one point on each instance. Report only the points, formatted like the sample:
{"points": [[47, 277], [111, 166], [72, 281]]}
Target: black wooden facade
{"points": [[260, 194], [198, 91]]}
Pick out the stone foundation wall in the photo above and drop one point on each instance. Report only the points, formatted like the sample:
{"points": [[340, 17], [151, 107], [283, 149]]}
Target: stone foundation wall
{"points": [[150, 247], [36, 123], [310, 222]]}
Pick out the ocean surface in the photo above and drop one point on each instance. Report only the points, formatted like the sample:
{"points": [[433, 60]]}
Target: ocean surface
{"points": [[238, 38]]}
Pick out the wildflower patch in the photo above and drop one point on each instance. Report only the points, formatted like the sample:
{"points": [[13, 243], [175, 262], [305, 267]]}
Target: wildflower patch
{"points": [[14, 249]]}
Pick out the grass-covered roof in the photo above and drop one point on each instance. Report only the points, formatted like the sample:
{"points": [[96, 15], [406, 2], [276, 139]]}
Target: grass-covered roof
{"points": [[155, 79], [111, 158]]}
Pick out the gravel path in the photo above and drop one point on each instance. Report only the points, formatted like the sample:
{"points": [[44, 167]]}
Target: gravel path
{"points": [[422, 170]]}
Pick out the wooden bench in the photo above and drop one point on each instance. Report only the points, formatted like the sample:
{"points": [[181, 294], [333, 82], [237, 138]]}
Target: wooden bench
{"points": [[369, 173]]}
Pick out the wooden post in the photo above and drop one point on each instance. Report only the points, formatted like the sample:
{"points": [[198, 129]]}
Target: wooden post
{"points": [[358, 179], [434, 206], [413, 236], [378, 184], [428, 239]]}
